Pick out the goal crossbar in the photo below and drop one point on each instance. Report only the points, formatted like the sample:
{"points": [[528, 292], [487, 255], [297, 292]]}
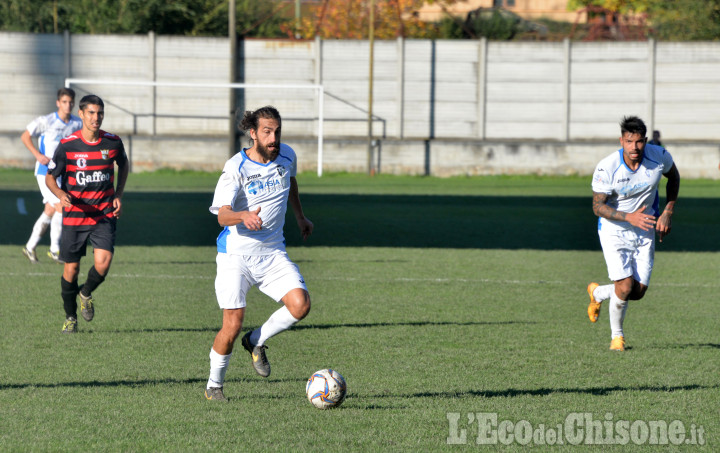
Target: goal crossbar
{"points": [[319, 88]]}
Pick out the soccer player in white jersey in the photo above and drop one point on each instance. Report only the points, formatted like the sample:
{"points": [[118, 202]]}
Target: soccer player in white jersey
{"points": [[49, 129], [626, 200], [250, 201]]}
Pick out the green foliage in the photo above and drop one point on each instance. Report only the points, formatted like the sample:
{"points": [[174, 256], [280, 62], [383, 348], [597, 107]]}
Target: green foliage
{"points": [[686, 20], [670, 20], [491, 24], [621, 6], [186, 17], [22, 15]]}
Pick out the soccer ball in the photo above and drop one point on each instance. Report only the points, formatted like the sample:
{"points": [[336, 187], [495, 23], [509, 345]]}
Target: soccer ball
{"points": [[326, 389]]}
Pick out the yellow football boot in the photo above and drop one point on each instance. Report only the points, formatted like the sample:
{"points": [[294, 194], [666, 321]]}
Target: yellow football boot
{"points": [[594, 307], [617, 344]]}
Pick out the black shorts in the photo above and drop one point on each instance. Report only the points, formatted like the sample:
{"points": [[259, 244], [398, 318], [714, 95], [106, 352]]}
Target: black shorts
{"points": [[73, 240]]}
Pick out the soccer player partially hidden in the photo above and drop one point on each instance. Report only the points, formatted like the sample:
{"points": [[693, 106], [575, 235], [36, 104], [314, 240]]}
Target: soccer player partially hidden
{"points": [[49, 129]]}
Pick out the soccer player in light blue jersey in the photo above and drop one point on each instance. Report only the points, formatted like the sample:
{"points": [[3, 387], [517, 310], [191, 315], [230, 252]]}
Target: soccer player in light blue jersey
{"points": [[250, 201], [626, 200], [49, 129]]}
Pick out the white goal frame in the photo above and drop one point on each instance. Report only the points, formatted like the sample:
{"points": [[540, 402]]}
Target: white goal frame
{"points": [[318, 88]]}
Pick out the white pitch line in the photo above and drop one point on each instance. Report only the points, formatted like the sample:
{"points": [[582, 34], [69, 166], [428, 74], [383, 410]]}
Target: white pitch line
{"points": [[399, 279], [21, 206]]}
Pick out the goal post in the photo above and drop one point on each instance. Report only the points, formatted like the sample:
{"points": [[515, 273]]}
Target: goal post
{"points": [[318, 89]]}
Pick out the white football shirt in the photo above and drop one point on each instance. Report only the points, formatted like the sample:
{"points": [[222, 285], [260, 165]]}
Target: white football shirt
{"points": [[246, 185], [629, 190], [51, 129]]}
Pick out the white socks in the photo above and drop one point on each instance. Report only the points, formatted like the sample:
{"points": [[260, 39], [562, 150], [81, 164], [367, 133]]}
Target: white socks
{"points": [[41, 225], [55, 232], [604, 292], [279, 321], [218, 367], [618, 308]]}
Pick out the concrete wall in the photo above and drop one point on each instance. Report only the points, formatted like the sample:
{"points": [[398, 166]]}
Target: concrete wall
{"points": [[445, 93], [409, 156]]}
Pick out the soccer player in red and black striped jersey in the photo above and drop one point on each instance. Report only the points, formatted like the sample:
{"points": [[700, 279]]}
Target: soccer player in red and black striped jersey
{"points": [[91, 204]]}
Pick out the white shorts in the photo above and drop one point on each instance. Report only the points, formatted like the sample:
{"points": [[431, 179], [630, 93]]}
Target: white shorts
{"points": [[274, 274], [629, 253], [48, 196]]}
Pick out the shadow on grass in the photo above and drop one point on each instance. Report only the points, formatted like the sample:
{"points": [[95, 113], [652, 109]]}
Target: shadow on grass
{"points": [[496, 222], [507, 393], [512, 222], [137, 383], [595, 391], [688, 346], [409, 323], [326, 326]]}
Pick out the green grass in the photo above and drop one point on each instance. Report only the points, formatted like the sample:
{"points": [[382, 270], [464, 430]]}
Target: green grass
{"points": [[431, 296]]}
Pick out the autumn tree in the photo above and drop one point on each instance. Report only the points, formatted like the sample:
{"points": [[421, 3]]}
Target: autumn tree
{"points": [[619, 6], [672, 20], [349, 19]]}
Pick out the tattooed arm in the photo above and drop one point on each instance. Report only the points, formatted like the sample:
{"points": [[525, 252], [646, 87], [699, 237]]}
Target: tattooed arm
{"points": [[637, 218]]}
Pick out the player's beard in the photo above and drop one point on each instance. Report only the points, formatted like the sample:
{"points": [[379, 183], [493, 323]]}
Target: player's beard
{"points": [[266, 153]]}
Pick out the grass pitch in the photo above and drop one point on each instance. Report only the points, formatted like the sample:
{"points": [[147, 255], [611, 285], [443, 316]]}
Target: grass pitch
{"points": [[437, 299]]}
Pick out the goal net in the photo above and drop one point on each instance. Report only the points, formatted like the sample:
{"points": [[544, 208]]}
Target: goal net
{"points": [[203, 109]]}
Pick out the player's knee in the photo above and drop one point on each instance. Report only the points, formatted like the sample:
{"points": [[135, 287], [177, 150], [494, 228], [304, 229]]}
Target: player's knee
{"points": [[305, 306], [232, 325], [71, 271], [638, 292], [298, 304], [623, 288], [102, 262], [622, 293]]}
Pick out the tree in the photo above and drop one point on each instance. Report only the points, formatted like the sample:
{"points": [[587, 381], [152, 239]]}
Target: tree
{"points": [[178, 17], [619, 6], [491, 23], [21, 15], [671, 20], [686, 20], [349, 19]]}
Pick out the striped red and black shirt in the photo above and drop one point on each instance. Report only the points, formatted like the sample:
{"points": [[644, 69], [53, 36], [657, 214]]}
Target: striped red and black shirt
{"points": [[88, 175]]}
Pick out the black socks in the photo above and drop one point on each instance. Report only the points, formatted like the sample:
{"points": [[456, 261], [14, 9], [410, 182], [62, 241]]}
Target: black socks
{"points": [[93, 281], [69, 292]]}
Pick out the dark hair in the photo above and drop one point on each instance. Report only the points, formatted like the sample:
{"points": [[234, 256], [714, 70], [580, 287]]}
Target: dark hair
{"points": [[91, 99], [250, 119], [66, 92], [633, 125]]}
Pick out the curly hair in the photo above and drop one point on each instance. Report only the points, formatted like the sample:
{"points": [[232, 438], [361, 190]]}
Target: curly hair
{"points": [[250, 119]]}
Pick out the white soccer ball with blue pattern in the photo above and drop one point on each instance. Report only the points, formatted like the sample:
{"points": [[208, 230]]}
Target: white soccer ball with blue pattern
{"points": [[326, 389]]}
